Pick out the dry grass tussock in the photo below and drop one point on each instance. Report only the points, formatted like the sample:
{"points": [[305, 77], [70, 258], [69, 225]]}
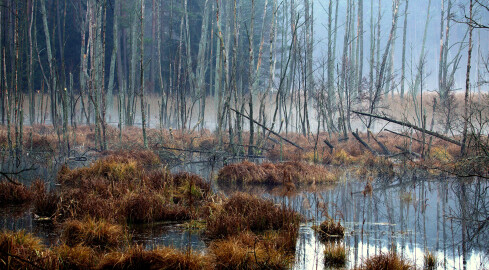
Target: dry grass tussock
{"points": [[11, 193], [295, 172], [119, 188], [390, 261], [161, 258], [243, 212], [249, 251], [97, 234], [335, 254], [330, 230], [20, 250]]}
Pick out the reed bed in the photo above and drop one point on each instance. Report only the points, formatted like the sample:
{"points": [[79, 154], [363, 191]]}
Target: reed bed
{"points": [[275, 174], [390, 261]]}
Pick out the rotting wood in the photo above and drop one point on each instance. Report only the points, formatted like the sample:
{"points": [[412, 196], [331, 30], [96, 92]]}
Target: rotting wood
{"points": [[432, 133], [382, 146], [364, 143], [269, 130]]}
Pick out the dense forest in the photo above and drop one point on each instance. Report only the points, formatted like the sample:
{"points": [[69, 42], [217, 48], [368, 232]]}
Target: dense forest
{"points": [[234, 65]]}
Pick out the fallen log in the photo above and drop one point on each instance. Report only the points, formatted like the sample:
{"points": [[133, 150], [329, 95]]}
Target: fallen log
{"points": [[432, 133], [267, 129], [403, 135], [410, 152], [382, 146], [331, 147], [364, 143]]}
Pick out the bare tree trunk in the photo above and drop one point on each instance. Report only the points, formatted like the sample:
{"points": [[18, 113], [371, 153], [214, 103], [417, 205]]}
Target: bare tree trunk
{"points": [[110, 88], [251, 79], [403, 68], [463, 149], [141, 82]]}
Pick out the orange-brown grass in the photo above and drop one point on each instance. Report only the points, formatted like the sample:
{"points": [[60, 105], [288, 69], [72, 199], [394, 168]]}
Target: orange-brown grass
{"points": [[330, 229], [145, 207], [100, 235], [390, 261], [275, 174], [335, 254], [114, 168], [429, 261], [20, 250], [11, 193], [249, 251], [77, 258], [117, 188], [245, 212], [161, 258], [45, 203]]}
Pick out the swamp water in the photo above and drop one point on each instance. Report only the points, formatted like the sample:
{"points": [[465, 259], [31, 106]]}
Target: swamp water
{"points": [[409, 214]]}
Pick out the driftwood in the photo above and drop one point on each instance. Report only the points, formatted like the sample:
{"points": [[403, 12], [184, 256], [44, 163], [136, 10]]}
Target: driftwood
{"points": [[267, 129], [432, 133], [382, 146], [364, 143]]}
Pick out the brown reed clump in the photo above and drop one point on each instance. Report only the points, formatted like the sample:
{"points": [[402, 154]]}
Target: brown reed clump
{"points": [[245, 212], [145, 207], [100, 235], [296, 172], [390, 261], [11, 193], [77, 258], [161, 258], [329, 229], [45, 203], [335, 254], [429, 261], [21, 250], [249, 251], [111, 168]]}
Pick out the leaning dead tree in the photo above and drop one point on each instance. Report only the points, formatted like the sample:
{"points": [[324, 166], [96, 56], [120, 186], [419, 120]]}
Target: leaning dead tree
{"points": [[409, 125]]}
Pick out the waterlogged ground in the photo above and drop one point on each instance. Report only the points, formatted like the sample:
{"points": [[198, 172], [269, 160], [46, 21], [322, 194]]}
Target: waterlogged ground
{"points": [[411, 214]]}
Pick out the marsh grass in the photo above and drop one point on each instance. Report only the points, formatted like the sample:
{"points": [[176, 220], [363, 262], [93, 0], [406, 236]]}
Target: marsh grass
{"points": [[13, 194], [285, 173], [390, 261], [78, 257], [138, 257], [246, 212], [21, 250], [97, 234], [429, 261], [249, 251], [335, 254], [330, 229]]}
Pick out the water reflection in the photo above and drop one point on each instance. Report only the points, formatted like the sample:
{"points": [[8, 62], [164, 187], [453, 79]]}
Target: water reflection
{"points": [[409, 214]]}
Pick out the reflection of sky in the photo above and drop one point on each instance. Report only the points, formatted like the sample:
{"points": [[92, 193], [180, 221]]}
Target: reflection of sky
{"points": [[309, 254]]}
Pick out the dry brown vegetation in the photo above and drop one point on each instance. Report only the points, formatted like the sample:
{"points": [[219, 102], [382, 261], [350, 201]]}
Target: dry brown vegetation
{"points": [[330, 229], [390, 261], [294, 172], [335, 254], [11, 193]]}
